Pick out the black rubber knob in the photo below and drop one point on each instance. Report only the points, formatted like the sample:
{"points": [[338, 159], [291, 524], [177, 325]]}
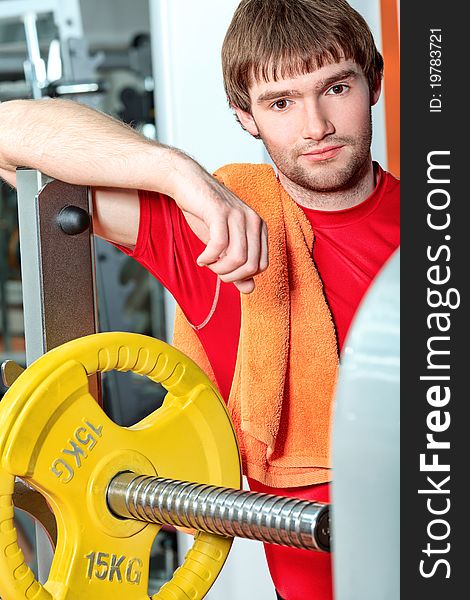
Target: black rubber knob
{"points": [[73, 220], [322, 531]]}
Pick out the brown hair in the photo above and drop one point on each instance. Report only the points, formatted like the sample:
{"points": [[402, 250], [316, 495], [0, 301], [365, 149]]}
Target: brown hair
{"points": [[284, 38]]}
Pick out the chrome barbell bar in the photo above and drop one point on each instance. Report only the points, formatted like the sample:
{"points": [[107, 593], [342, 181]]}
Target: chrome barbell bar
{"points": [[224, 511]]}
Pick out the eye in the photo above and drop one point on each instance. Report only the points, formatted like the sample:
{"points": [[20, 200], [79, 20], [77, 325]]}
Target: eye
{"points": [[280, 105], [337, 89]]}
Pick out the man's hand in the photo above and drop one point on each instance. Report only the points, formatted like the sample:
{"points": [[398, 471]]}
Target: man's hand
{"points": [[236, 237]]}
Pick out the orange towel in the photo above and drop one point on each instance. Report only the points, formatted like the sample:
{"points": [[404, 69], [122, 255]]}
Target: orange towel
{"points": [[282, 390]]}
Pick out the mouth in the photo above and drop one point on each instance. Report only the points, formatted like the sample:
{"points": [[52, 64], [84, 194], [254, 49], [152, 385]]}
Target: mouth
{"points": [[323, 153]]}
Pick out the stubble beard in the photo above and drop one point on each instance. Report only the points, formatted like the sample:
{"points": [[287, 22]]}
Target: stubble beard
{"points": [[325, 176]]}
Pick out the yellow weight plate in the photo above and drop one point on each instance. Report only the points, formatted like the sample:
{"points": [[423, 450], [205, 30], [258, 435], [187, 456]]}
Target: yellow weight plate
{"points": [[55, 436]]}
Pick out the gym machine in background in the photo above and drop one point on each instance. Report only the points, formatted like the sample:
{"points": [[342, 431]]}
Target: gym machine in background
{"points": [[45, 53]]}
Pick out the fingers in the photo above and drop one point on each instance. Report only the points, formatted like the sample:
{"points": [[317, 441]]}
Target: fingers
{"points": [[234, 234], [217, 243], [240, 259], [246, 286], [237, 249]]}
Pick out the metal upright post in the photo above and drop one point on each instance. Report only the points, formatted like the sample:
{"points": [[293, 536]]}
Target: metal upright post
{"points": [[58, 277]]}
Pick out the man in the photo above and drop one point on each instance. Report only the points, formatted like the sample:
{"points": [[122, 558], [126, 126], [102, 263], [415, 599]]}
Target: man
{"points": [[302, 75]]}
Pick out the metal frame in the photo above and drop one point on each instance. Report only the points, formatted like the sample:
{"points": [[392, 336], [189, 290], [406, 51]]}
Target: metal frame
{"points": [[67, 13], [58, 277], [58, 271], [68, 19]]}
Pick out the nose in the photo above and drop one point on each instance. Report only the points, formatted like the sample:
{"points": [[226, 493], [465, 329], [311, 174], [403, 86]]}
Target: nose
{"points": [[316, 122]]}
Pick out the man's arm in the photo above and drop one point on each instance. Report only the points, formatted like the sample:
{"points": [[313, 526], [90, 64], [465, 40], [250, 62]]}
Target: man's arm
{"points": [[73, 143]]}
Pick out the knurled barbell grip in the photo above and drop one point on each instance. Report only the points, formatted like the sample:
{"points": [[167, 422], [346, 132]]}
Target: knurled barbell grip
{"points": [[225, 511]]}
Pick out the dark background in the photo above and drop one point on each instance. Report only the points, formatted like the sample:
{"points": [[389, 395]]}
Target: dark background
{"points": [[422, 132]]}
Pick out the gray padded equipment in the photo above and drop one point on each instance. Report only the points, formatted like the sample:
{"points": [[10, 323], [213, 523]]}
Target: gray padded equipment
{"points": [[366, 452]]}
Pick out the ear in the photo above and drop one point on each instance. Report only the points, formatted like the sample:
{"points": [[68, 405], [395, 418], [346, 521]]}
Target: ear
{"points": [[246, 120], [375, 95]]}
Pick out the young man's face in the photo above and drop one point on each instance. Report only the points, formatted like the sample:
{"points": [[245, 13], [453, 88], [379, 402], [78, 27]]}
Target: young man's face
{"points": [[316, 127]]}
